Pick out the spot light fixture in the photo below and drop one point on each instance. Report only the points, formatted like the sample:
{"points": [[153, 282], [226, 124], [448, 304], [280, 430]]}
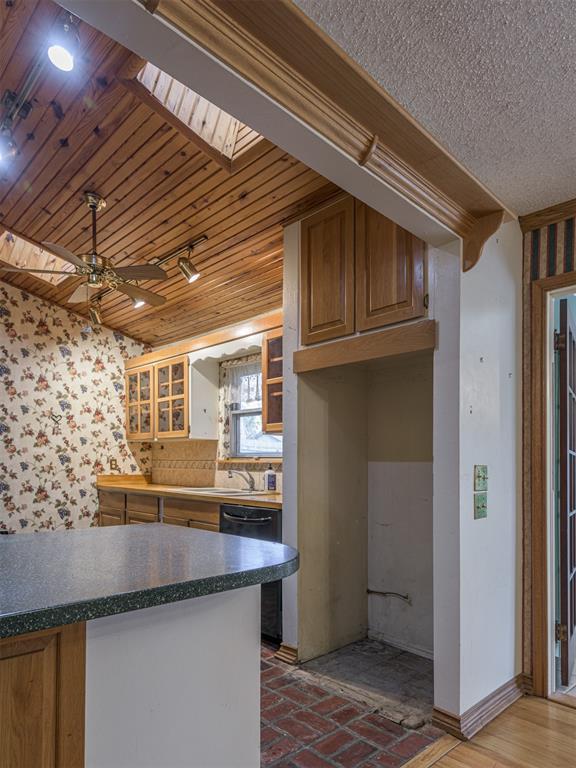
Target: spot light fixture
{"points": [[8, 148], [187, 268], [137, 303], [63, 44], [95, 314]]}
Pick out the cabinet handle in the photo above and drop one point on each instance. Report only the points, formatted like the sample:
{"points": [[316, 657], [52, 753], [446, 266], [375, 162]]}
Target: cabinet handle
{"points": [[236, 519]]}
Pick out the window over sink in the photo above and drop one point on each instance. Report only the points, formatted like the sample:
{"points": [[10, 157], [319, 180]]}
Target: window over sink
{"points": [[241, 411]]}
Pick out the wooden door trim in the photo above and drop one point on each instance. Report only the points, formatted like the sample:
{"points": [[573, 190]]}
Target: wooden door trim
{"points": [[536, 625], [250, 39]]}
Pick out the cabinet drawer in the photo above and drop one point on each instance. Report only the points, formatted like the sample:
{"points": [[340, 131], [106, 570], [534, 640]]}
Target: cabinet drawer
{"points": [[203, 526], [109, 516], [140, 503], [174, 520], [141, 517], [197, 511], [112, 499]]}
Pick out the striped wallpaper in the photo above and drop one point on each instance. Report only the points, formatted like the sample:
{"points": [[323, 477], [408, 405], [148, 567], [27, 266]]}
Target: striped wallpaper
{"points": [[550, 250]]}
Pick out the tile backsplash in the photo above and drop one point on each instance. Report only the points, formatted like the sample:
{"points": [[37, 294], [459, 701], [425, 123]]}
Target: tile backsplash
{"points": [[186, 462], [194, 463]]}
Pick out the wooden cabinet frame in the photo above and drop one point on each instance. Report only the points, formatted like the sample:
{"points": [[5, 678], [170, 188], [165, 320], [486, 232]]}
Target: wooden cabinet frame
{"points": [[171, 398], [139, 402], [270, 383]]}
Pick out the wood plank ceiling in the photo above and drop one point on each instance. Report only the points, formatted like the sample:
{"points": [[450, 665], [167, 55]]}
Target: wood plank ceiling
{"points": [[88, 131]]}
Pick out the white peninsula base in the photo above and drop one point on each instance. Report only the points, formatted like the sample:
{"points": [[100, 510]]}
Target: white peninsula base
{"points": [[176, 686]]}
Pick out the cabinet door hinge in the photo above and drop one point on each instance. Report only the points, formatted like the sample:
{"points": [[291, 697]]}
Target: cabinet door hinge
{"points": [[561, 633], [559, 341]]}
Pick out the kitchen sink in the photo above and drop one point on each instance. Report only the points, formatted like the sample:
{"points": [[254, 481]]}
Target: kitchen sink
{"points": [[228, 491]]}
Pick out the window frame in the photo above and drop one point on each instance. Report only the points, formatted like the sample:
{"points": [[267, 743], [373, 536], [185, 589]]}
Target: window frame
{"points": [[235, 452]]}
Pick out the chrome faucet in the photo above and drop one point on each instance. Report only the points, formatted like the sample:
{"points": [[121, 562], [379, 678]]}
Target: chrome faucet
{"points": [[245, 476]]}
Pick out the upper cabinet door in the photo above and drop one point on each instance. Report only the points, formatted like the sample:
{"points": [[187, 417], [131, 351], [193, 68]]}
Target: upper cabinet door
{"points": [[139, 404], [172, 392], [389, 271], [272, 378], [327, 273]]}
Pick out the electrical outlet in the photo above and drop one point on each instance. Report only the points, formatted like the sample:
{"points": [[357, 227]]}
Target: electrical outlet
{"points": [[480, 477], [113, 464], [480, 505]]}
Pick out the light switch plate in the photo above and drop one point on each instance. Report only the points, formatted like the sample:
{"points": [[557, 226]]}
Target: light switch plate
{"points": [[480, 505], [480, 477]]}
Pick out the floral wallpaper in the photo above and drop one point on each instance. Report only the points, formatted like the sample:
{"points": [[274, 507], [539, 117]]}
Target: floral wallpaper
{"points": [[61, 413]]}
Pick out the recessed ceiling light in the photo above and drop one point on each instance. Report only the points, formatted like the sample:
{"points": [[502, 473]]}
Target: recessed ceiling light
{"points": [[63, 45], [188, 269]]}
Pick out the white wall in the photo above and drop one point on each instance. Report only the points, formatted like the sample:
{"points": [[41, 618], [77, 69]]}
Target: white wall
{"points": [[400, 503], [490, 433]]}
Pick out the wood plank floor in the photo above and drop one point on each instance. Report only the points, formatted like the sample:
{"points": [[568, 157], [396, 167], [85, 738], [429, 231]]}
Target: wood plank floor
{"points": [[533, 733]]}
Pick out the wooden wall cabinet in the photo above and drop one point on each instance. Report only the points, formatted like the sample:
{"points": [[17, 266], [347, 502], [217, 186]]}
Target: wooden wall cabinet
{"points": [[171, 390], [272, 381], [359, 271], [42, 707], [389, 271], [327, 273], [140, 403]]}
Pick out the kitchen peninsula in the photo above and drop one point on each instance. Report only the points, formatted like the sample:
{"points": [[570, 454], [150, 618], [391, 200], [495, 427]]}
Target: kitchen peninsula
{"points": [[133, 647]]}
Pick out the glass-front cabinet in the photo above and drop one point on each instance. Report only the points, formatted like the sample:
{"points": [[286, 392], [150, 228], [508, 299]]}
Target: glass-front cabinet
{"points": [[140, 403], [171, 380]]}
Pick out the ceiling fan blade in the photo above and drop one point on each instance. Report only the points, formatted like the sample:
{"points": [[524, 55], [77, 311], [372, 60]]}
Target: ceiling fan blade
{"points": [[82, 294], [41, 271], [141, 272], [141, 293], [64, 253]]}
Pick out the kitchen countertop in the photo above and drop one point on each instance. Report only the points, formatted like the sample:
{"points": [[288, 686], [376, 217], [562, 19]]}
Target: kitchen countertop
{"points": [[139, 485], [53, 578]]}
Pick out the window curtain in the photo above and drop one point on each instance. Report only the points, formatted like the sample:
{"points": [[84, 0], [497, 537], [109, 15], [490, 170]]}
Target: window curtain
{"points": [[240, 382]]}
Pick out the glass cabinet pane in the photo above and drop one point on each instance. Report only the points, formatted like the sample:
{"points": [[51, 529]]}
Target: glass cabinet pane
{"points": [[274, 357], [178, 388], [177, 371], [145, 418], [145, 385], [274, 401], [178, 415], [164, 416], [133, 388], [133, 418]]}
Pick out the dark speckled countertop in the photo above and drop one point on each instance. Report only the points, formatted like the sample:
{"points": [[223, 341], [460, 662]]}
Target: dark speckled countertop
{"points": [[53, 578]]}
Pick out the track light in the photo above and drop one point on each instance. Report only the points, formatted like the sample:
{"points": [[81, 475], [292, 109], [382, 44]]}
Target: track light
{"points": [[63, 45], [8, 148], [188, 269], [95, 316], [137, 303]]}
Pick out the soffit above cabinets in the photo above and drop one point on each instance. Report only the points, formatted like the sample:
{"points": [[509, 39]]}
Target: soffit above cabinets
{"points": [[89, 131]]}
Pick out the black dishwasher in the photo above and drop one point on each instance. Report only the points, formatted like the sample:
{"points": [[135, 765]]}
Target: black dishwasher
{"points": [[266, 525]]}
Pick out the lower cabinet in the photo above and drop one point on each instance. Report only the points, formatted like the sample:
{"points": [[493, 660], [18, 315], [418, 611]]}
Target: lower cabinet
{"points": [[42, 698], [142, 509], [194, 514], [116, 508]]}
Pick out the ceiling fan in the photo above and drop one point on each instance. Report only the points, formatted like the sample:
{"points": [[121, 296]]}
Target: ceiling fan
{"points": [[98, 270]]}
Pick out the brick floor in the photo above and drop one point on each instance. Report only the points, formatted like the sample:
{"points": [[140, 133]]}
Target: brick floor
{"points": [[305, 726]]}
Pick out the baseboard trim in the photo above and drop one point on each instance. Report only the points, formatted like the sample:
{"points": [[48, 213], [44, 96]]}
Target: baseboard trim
{"points": [[467, 725], [381, 637], [287, 653]]}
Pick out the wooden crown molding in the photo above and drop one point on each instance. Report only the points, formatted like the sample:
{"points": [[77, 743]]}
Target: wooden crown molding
{"points": [[551, 215], [473, 244], [477, 717], [317, 82]]}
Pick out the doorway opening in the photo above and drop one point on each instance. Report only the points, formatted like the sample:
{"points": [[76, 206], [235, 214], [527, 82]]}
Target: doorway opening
{"points": [[562, 498]]}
